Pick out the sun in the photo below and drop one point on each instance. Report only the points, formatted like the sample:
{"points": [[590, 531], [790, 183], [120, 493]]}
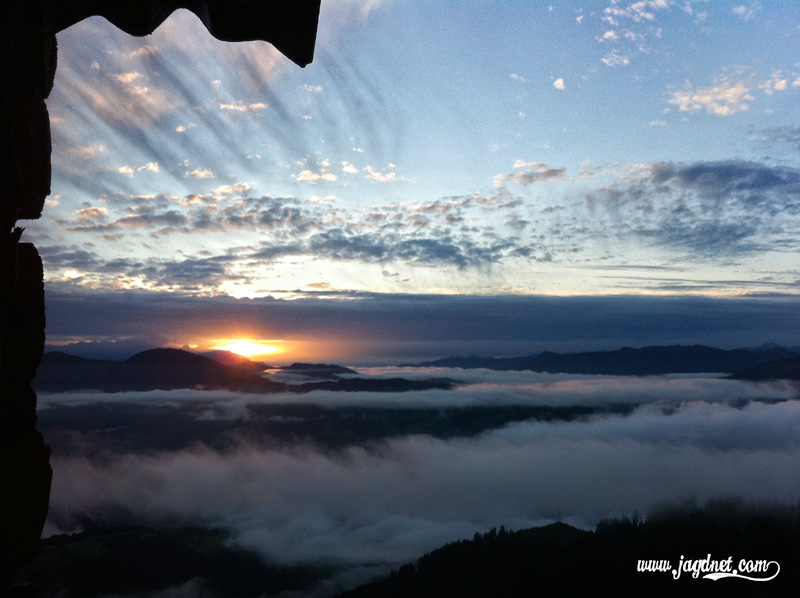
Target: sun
{"points": [[246, 348]]}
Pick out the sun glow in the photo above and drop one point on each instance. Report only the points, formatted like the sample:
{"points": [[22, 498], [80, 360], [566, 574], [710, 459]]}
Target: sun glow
{"points": [[246, 348]]}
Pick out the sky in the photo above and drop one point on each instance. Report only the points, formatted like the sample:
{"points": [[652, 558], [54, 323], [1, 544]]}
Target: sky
{"points": [[627, 156]]}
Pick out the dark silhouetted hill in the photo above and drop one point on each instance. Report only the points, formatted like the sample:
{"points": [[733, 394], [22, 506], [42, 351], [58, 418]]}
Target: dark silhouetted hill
{"points": [[378, 385], [318, 370], [136, 560], [559, 560], [171, 369], [552, 561], [627, 361], [785, 369], [231, 358], [155, 369]]}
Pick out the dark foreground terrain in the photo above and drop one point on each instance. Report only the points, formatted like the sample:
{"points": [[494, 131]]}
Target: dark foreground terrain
{"points": [[555, 560], [559, 560]]}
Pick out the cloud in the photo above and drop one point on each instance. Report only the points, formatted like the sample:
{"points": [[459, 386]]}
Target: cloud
{"points": [[709, 209], [272, 213], [741, 180], [348, 168], [72, 257], [130, 170], [615, 58], [386, 175], [147, 219], [638, 12], [200, 173], [724, 98], [477, 388], [527, 173], [629, 28], [744, 12], [428, 233], [317, 170], [337, 244], [91, 214], [242, 107], [308, 176], [400, 497], [186, 274], [785, 134], [128, 78], [142, 92], [89, 151], [233, 107], [233, 189], [775, 83]]}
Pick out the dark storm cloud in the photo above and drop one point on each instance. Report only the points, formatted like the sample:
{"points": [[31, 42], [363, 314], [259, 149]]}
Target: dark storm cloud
{"points": [[406, 327]]}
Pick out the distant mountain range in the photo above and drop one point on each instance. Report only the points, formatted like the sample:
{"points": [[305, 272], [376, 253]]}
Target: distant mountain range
{"points": [[768, 361], [170, 369]]}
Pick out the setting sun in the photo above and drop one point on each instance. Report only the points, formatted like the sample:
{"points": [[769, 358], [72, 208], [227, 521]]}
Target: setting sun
{"points": [[246, 348]]}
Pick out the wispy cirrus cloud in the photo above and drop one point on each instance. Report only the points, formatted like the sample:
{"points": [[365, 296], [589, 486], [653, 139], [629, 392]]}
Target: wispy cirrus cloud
{"points": [[786, 134], [709, 208]]}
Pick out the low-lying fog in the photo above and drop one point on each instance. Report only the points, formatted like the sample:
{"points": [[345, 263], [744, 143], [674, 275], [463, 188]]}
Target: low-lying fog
{"points": [[374, 502]]}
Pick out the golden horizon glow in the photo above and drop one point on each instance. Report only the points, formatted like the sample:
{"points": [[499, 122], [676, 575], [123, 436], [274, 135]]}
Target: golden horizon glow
{"points": [[246, 347]]}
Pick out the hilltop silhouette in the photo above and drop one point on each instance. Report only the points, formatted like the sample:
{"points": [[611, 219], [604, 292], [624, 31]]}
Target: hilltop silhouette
{"points": [[559, 560], [171, 369], [647, 361], [154, 369]]}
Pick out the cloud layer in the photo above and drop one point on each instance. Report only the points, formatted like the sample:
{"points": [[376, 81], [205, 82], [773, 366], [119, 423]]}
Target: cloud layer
{"points": [[390, 501], [385, 328]]}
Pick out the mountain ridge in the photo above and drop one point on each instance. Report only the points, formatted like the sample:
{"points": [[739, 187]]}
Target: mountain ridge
{"points": [[645, 361], [172, 369]]}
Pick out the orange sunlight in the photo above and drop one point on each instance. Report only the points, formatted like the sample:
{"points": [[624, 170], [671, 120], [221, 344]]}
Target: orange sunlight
{"points": [[246, 348]]}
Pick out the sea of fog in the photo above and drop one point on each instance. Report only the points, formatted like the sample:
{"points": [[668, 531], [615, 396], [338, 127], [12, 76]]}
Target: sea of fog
{"points": [[373, 500]]}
